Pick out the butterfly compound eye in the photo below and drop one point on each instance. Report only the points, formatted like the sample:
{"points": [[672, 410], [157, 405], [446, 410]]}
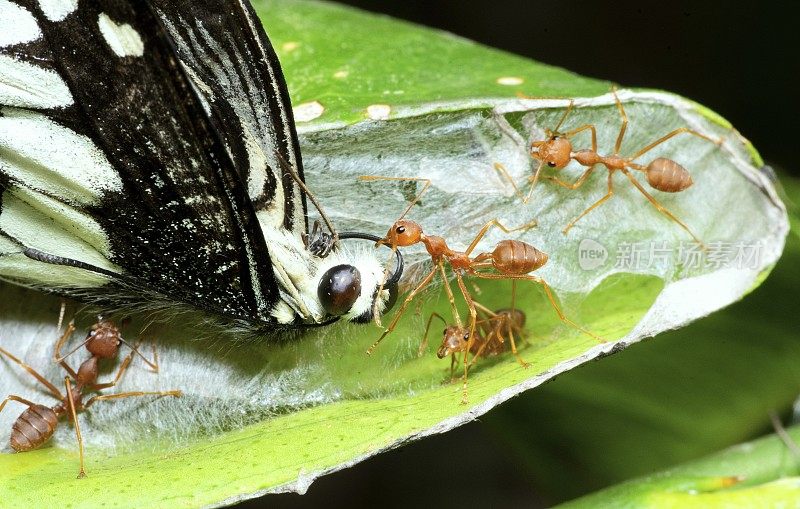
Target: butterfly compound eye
{"points": [[339, 289]]}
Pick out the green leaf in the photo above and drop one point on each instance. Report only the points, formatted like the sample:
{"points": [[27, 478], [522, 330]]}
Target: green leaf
{"points": [[268, 416], [762, 473], [689, 393]]}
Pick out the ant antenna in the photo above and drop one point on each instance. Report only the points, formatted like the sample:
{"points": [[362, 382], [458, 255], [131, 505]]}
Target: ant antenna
{"points": [[416, 199], [571, 104]]}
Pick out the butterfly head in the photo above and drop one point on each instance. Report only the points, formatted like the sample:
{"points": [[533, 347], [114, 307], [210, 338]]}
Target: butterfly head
{"points": [[360, 288]]}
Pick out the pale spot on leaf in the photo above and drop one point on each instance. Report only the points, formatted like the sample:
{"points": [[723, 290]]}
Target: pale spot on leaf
{"points": [[510, 80], [378, 111], [341, 74], [290, 46], [307, 112]]}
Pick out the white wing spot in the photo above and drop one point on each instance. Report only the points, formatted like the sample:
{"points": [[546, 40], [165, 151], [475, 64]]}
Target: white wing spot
{"points": [[288, 47], [510, 81], [340, 75], [307, 112], [48, 157], [123, 39], [17, 25], [57, 10], [26, 85], [379, 111]]}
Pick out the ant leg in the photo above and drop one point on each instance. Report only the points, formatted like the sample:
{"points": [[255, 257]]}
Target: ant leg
{"points": [[534, 180], [402, 309], [135, 394], [61, 313], [501, 169], [473, 314], [424, 345], [624, 125], [18, 399], [669, 135], [487, 312], [60, 359], [404, 179], [596, 204], [780, 430], [123, 367], [513, 296], [153, 365], [450, 296], [511, 328], [35, 374], [578, 183], [57, 357], [548, 292], [71, 403], [514, 349], [662, 209], [591, 127], [479, 352], [495, 222]]}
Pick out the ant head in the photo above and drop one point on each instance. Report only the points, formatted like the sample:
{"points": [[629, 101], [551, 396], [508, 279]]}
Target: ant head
{"points": [[403, 233], [555, 151], [103, 339], [455, 339]]}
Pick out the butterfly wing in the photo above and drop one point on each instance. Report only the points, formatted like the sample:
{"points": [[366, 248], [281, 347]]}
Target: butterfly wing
{"points": [[108, 158], [148, 150], [232, 64]]}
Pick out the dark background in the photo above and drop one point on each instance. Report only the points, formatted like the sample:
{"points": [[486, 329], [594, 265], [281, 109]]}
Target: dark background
{"points": [[735, 57]]}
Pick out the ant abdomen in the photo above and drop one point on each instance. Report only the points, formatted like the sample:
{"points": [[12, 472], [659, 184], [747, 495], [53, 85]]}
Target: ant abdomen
{"points": [[33, 428], [668, 176], [516, 257]]}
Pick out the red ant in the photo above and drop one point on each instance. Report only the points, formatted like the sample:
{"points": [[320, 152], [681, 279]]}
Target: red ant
{"points": [[34, 427], [510, 259], [556, 151], [492, 328]]}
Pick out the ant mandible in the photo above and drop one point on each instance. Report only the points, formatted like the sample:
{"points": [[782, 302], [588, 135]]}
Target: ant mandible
{"points": [[556, 151]]}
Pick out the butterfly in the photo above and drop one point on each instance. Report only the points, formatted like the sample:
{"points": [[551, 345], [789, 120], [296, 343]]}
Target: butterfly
{"points": [[148, 154]]}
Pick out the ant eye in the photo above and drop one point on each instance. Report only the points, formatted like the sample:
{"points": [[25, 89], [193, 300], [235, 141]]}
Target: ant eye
{"points": [[339, 288], [551, 164], [466, 336], [400, 229]]}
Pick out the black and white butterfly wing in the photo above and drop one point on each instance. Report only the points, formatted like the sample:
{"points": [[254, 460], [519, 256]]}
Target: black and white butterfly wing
{"points": [[233, 66], [112, 158]]}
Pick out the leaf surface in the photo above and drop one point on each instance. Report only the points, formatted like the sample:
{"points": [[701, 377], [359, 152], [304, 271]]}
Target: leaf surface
{"points": [[267, 416]]}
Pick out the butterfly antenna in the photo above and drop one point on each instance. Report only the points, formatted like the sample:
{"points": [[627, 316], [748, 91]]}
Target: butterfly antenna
{"points": [[287, 168]]}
